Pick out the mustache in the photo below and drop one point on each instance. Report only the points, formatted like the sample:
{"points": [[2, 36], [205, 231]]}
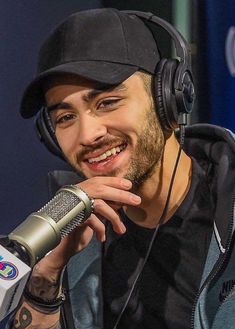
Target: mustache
{"points": [[110, 142]]}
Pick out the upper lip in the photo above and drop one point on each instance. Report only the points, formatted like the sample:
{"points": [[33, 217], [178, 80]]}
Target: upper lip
{"points": [[98, 152]]}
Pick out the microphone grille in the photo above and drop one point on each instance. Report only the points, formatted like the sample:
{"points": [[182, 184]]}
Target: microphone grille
{"points": [[66, 199], [77, 220], [60, 205]]}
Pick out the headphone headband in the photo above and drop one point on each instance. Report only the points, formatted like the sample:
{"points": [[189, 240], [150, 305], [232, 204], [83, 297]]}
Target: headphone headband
{"points": [[181, 45]]}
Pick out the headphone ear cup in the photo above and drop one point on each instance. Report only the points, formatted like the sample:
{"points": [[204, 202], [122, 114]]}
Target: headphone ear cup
{"points": [[46, 133], [164, 93], [172, 102], [185, 95]]}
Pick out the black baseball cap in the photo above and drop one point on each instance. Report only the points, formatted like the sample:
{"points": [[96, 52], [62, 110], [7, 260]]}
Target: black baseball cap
{"points": [[104, 45]]}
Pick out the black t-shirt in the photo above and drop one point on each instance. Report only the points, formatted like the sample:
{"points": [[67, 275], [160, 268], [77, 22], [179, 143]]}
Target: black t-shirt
{"points": [[166, 290]]}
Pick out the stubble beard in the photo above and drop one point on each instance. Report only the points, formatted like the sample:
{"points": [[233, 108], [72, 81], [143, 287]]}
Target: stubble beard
{"points": [[148, 152]]}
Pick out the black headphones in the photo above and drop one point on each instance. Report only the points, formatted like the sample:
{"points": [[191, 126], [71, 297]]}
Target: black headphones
{"points": [[173, 87], [46, 132]]}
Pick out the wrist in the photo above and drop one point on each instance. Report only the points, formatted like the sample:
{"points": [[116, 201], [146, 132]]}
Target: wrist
{"points": [[43, 305], [48, 267], [43, 284]]}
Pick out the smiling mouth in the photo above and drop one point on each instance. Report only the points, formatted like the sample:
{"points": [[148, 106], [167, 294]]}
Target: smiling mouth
{"points": [[108, 154]]}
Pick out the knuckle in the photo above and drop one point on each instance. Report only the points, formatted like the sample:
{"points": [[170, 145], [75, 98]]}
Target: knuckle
{"points": [[121, 194], [90, 219], [98, 204], [99, 189], [116, 216]]}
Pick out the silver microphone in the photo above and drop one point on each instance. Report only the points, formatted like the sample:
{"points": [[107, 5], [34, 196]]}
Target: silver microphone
{"points": [[43, 230]]}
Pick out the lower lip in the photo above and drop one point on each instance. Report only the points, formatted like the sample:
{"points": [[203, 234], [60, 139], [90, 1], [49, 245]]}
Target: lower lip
{"points": [[107, 164]]}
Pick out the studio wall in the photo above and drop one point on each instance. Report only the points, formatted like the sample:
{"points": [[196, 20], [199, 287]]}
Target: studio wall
{"points": [[24, 162]]}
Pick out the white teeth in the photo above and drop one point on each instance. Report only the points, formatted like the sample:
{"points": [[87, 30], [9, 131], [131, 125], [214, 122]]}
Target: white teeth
{"points": [[106, 154], [103, 156]]}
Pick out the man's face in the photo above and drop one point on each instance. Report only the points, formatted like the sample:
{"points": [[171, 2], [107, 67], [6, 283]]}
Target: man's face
{"points": [[106, 132]]}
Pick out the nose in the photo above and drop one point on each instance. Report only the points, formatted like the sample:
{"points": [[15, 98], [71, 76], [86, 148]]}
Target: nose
{"points": [[91, 129]]}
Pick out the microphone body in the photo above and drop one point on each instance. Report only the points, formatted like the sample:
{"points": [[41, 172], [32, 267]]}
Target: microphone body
{"points": [[13, 277], [41, 232]]}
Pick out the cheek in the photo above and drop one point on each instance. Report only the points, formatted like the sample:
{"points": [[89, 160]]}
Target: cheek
{"points": [[67, 141], [127, 120]]}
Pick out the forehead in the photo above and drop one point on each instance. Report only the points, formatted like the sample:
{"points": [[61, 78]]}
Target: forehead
{"points": [[61, 85], [60, 89]]}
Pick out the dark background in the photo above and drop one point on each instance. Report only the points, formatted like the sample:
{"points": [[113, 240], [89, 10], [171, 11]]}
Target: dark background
{"points": [[24, 162]]}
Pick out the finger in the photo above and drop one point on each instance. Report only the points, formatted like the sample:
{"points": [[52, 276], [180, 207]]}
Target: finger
{"points": [[117, 182], [115, 205], [97, 188], [97, 226], [115, 195], [103, 209]]}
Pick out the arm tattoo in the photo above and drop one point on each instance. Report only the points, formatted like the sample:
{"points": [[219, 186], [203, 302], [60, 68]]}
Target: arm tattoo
{"points": [[25, 321], [25, 318], [43, 287]]}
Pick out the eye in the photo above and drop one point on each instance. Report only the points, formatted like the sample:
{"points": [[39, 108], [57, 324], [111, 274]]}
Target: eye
{"points": [[65, 118], [108, 103]]}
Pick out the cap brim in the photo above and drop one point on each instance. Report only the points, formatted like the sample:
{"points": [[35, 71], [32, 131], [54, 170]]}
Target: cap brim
{"points": [[103, 72]]}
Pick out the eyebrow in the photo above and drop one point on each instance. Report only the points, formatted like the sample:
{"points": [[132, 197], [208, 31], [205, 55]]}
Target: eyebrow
{"points": [[58, 105], [88, 97]]}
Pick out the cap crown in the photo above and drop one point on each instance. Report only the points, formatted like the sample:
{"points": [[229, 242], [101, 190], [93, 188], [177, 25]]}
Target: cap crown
{"points": [[100, 35]]}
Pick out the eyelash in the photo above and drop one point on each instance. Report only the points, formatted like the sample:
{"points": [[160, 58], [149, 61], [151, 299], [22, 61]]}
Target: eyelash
{"points": [[107, 103], [64, 118]]}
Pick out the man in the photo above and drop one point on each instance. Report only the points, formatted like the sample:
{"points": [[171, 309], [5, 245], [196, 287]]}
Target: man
{"points": [[162, 254]]}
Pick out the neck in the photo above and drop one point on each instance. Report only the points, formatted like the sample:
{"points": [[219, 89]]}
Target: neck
{"points": [[154, 190]]}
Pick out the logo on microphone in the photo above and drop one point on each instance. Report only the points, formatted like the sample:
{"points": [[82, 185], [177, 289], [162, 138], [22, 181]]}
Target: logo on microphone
{"points": [[8, 271], [230, 50]]}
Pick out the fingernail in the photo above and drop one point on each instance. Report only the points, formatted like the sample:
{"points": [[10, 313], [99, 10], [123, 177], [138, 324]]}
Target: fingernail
{"points": [[136, 198], [123, 228], [127, 184]]}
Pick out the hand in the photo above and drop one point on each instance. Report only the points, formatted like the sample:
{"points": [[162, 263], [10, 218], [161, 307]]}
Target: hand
{"points": [[109, 193]]}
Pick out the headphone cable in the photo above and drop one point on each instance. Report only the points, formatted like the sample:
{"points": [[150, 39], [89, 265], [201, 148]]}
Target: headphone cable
{"points": [[162, 218]]}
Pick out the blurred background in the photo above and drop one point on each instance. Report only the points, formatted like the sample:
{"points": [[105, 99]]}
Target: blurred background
{"points": [[208, 25]]}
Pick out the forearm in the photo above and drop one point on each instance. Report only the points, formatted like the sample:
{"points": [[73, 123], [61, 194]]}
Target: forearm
{"points": [[46, 287], [29, 317]]}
